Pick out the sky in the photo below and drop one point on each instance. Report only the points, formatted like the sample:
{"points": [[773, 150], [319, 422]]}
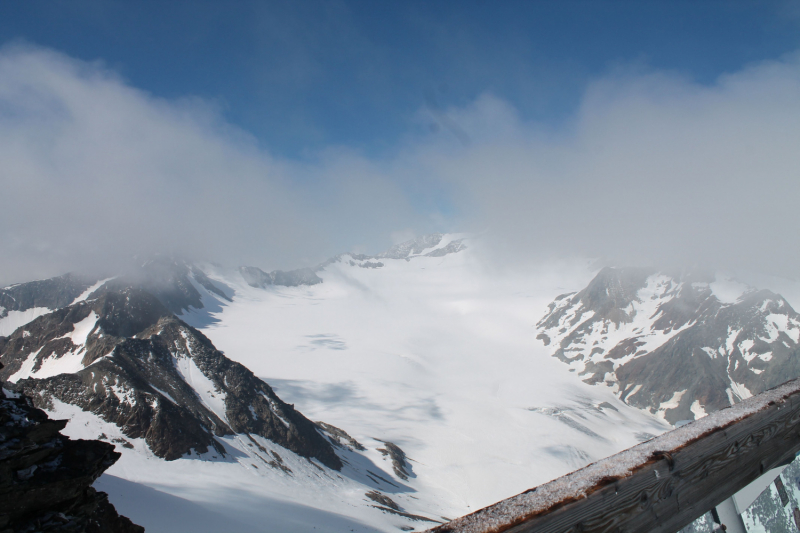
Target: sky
{"points": [[280, 133]]}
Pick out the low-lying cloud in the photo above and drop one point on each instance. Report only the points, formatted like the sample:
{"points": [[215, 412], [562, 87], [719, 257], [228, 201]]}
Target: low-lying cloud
{"points": [[94, 171], [652, 168]]}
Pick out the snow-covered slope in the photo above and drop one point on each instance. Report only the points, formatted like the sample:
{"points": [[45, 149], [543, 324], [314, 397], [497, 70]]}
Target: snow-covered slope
{"points": [[124, 357], [125, 370], [435, 352], [19, 304], [257, 484], [424, 364]]}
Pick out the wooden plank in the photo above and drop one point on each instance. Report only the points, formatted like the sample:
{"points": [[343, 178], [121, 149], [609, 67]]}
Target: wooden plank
{"points": [[661, 485]]}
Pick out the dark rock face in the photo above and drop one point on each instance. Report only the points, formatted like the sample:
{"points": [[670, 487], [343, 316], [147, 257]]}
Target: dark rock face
{"points": [[171, 282], [46, 478], [118, 315], [51, 293], [382, 499], [398, 457], [146, 371], [667, 344], [255, 277], [699, 362], [340, 437], [201, 278]]}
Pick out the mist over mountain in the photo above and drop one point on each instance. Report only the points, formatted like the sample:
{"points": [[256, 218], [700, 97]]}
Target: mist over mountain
{"points": [[651, 169], [396, 385], [354, 266]]}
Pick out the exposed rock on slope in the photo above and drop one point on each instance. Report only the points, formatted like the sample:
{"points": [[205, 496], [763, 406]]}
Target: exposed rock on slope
{"points": [[255, 277], [427, 245], [668, 344], [19, 304], [412, 247], [398, 456], [171, 281], [125, 357], [434, 245], [339, 437], [450, 248], [46, 478], [50, 293]]}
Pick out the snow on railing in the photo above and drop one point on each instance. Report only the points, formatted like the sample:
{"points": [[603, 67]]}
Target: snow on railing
{"points": [[660, 485]]}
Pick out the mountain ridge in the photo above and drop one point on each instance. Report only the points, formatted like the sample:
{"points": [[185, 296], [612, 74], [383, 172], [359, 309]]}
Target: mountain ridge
{"points": [[383, 348], [135, 365], [667, 344]]}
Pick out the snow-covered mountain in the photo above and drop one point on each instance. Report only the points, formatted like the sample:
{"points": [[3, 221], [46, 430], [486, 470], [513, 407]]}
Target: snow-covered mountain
{"points": [[123, 356], [113, 359], [422, 361], [431, 351], [19, 304], [679, 345]]}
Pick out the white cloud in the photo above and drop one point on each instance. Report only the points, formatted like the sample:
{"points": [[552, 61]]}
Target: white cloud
{"points": [[652, 168], [94, 171]]}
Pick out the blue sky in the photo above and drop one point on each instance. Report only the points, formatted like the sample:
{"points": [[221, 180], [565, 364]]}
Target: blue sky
{"points": [[301, 76], [278, 134]]}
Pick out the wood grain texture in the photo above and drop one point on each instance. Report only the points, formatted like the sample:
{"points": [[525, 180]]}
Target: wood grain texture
{"points": [[673, 487]]}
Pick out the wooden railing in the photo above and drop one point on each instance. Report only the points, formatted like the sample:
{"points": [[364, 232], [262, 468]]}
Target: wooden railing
{"points": [[661, 485]]}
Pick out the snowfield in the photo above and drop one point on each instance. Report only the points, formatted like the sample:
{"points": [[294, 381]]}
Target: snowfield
{"points": [[436, 354], [16, 319]]}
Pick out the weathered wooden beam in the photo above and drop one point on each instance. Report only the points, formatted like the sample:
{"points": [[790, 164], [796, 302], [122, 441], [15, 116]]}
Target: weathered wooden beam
{"points": [[660, 485]]}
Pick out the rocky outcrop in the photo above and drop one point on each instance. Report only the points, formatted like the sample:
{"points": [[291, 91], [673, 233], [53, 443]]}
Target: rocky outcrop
{"points": [[382, 499], [339, 437], [255, 277], [398, 457], [666, 343], [46, 478], [367, 264], [126, 358]]}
